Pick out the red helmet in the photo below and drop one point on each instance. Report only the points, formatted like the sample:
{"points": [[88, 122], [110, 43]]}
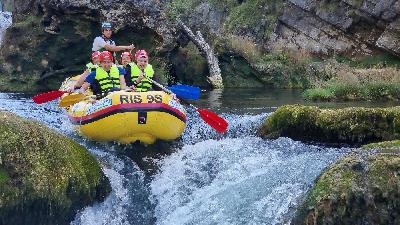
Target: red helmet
{"points": [[141, 54], [106, 55], [95, 54], [127, 54]]}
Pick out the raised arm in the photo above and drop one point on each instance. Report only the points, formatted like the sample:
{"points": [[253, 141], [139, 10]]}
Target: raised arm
{"points": [[114, 48]]}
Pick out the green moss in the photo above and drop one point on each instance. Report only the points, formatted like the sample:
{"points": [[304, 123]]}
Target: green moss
{"points": [[384, 145], [383, 171], [349, 125], [355, 190], [47, 169]]}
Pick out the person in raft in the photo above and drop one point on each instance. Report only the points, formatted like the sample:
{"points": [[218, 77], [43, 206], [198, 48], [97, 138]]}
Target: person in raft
{"points": [[126, 58], [106, 78], [90, 67], [105, 43], [136, 76]]}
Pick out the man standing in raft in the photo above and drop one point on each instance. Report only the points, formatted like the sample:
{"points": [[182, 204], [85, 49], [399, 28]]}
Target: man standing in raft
{"points": [[104, 42], [106, 78]]}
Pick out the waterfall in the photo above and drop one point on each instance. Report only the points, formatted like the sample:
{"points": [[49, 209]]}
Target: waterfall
{"points": [[5, 21]]}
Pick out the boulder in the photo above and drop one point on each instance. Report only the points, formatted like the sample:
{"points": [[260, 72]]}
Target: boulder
{"points": [[352, 125], [45, 177], [360, 189]]}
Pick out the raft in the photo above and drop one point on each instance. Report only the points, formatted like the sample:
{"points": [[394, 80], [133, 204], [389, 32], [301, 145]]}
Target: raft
{"points": [[128, 117]]}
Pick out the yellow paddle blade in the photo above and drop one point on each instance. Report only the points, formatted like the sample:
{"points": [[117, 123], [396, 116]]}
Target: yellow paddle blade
{"points": [[71, 99]]}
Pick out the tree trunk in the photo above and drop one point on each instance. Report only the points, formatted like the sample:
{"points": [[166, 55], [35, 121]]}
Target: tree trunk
{"points": [[215, 77]]}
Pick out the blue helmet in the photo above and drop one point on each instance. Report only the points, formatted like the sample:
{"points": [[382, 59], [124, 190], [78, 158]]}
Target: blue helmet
{"points": [[106, 25]]}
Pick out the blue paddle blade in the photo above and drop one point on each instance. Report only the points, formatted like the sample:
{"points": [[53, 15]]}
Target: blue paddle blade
{"points": [[185, 91]]}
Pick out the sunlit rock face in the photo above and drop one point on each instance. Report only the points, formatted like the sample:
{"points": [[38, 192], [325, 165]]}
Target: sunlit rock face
{"points": [[61, 32]]}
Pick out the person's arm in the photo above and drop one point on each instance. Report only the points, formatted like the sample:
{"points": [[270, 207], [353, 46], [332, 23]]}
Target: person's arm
{"points": [[122, 78], [82, 78], [115, 48], [122, 82], [84, 87], [88, 81]]}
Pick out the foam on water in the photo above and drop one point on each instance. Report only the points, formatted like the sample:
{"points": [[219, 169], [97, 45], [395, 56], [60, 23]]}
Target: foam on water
{"points": [[236, 181], [234, 178]]}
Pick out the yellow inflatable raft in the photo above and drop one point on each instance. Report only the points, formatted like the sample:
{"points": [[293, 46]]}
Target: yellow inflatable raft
{"points": [[127, 117]]}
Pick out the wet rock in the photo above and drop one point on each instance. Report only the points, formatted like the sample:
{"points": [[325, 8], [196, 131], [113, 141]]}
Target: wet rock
{"points": [[346, 194], [45, 178], [349, 125]]}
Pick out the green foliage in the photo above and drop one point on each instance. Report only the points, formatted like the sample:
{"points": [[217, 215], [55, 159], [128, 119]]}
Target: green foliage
{"points": [[249, 14], [4, 176], [318, 94], [395, 143], [286, 69], [178, 8], [348, 91], [371, 61], [223, 4]]}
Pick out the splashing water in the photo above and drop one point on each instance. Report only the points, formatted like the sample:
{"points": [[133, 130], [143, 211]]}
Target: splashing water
{"points": [[209, 178], [236, 181]]}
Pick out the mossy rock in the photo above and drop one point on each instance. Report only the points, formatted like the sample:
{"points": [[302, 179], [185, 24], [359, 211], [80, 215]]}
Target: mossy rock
{"points": [[349, 125], [359, 189], [45, 178]]}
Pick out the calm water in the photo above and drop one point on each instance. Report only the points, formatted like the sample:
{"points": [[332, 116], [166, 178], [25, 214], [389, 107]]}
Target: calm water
{"points": [[203, 177]]}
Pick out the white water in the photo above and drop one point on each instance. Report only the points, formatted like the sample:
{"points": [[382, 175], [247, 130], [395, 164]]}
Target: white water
{"points": [[236, 178], [5, 22]]}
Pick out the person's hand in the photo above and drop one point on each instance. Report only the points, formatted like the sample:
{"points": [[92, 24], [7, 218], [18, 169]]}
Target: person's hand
{"points": [[131, 47], [71, 89], [82, 91], [133, 88], [174, 97], [140, 78]]}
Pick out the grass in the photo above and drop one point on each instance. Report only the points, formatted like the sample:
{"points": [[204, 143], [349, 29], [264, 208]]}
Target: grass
{"points": [[358, 84], [371, 62]]}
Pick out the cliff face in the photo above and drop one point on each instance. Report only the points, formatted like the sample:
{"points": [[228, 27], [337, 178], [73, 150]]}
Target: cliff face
{"points": [[242, 32]]}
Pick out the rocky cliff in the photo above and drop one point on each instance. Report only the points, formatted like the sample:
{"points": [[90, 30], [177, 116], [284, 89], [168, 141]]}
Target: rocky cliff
{"points": [[49, 40]]}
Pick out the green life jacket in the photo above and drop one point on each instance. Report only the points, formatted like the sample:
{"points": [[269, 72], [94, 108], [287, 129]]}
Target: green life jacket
{"points": [[106, 80], [90, 66], [145, 84]]}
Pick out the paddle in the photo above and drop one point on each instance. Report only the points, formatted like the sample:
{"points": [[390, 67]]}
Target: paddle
{"points": [[185, 91], [71, 99], [48, 96], [212, 119]]}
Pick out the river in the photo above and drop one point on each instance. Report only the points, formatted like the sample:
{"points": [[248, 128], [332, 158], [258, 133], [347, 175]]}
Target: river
{"points": [[203, 177]]}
